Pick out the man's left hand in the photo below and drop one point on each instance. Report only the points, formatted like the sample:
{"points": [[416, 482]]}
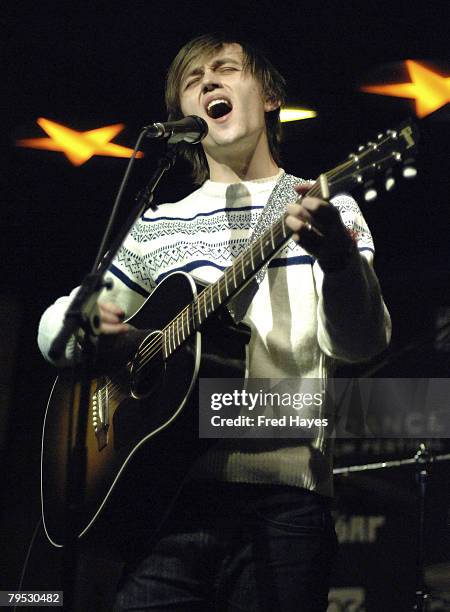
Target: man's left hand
{"points": [[318, 228]]}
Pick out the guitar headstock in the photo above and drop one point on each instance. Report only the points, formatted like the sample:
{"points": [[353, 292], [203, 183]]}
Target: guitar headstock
{"points": [[390, 149]]}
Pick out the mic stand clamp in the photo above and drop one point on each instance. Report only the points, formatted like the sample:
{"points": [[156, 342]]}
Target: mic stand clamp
{"points": [[82, 314]]}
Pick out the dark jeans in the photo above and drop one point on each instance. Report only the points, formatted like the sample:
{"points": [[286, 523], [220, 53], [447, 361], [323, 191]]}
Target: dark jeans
{"points": [[230, 547]]}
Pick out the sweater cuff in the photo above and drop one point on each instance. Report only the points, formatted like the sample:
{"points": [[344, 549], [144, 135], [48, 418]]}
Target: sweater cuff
{"points": [[340, 264], [339, 261]]}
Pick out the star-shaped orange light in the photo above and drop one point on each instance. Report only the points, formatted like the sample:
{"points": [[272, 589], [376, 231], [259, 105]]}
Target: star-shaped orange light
{"points": [[78, 147], [429, 89]]}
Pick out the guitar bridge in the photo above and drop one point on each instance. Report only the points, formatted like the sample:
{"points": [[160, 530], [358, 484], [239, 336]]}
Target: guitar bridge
{"points": [[100, 414]]}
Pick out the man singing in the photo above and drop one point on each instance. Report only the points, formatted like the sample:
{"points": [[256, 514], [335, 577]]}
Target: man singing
{"points": [[252, 528]]}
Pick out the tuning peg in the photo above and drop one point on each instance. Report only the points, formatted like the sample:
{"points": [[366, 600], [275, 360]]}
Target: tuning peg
{"points": [[389, 180], [370, 193], [409, 170]]}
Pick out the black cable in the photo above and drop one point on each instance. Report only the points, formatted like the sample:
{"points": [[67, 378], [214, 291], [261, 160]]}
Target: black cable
{"points": [[27, 557]]}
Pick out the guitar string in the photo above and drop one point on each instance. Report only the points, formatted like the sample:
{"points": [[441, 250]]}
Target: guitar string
{"points": [[155, 346]]}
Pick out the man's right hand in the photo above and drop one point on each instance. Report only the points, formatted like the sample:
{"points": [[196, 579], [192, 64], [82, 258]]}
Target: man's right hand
{"points": [[111, 318]]}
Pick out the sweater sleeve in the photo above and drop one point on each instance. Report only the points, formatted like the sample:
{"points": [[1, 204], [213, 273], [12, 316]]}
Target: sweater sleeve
{"points": [[129, 290], [353, 322]]}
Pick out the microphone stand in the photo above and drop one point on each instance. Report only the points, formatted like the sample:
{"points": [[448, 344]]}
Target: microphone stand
{"points": [[83, 322], [422, 461]]}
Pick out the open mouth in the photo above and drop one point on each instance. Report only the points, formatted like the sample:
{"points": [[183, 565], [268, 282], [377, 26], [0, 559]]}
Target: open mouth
{"points": [[217, 109]]}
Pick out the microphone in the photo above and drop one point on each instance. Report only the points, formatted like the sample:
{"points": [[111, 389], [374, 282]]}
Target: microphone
{"points": [[191, 129]]}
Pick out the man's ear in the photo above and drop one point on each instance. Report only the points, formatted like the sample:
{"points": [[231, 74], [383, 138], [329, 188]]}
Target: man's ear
{"points": [[271, 104]]}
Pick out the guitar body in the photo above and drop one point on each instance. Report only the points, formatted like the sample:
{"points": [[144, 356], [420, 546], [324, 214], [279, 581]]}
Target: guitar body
{"points": [[152, 423]]}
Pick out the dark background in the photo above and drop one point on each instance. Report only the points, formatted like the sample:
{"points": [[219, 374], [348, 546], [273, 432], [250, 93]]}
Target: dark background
{"points": [[88, 66]]}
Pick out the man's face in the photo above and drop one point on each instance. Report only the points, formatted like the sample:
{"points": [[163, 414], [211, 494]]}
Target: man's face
{"points": [[217, 88]]}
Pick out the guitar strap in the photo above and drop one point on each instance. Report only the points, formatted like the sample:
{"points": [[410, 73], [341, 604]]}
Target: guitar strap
{"points": [[283, 193]]}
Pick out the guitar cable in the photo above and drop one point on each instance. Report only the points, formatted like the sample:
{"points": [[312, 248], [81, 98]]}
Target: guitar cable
{"points": [[27, 557]]}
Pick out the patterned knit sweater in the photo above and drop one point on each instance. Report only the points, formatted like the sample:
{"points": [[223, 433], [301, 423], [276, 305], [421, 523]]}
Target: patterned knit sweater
{"points": [[302, 320]]}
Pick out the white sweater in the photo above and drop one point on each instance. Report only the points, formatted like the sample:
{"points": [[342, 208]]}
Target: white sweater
{"points": [[301, 319]]}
